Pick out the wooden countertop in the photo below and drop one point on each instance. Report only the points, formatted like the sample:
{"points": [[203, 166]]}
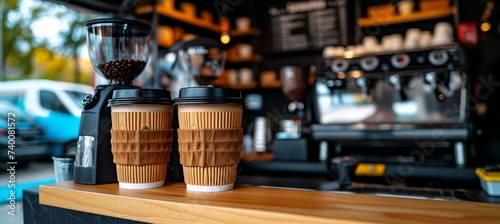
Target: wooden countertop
{"points": [[248, 204]]}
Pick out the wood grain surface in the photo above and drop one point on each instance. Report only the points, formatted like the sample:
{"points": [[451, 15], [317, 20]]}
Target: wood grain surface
{"points": [[172, 203]]}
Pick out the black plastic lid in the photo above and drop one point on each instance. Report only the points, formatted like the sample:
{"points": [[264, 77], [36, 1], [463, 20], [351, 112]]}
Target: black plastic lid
{"points": [[209, 95], [119, 21], [140, 96]]}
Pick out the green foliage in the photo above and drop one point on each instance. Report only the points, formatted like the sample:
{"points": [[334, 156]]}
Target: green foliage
{"points": [[73, 38], [22, 46], [18, 40]]}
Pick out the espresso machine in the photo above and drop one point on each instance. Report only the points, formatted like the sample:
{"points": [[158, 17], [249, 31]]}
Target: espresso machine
{"points": [[290, 142], [405, 107], [119, 50]]}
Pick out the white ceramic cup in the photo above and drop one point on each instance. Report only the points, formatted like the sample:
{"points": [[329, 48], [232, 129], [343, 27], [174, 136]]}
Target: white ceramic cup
{"points": [[443, 33], [392, 42], [232, 76], [370, 44], [412, 37], [259, 139], [245, 50], [370, 41], [356, 49], [331, 52], [406, 7], [243, 23], [425, 39], [246, 76]]}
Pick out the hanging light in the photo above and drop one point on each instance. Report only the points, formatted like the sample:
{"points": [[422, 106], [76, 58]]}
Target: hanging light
{"points": [[224, 27], [225, 38], [485, 27]]}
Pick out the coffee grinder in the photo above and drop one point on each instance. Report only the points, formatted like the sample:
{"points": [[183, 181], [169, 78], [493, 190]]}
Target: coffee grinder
{"points": [[119, 50], [290, 144]]}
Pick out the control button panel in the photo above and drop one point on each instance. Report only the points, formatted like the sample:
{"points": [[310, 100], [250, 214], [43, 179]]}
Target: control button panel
{"points": [[339, 65], [369, 63], [438, 57], [400, 60]]}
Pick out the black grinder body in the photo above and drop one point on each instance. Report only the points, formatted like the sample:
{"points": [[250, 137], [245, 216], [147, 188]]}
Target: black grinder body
{"points": [[94, 159]]}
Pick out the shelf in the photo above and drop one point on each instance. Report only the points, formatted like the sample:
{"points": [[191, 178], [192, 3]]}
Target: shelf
{"points": [[250, 32], [256, 156], [222, 82], [172, 203], [414, 17], [271, 85], [254, 58], [244, 86], [179, 16]]}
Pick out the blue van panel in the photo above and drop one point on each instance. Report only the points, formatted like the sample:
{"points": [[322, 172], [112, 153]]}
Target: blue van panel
{"points": [[60, 129]]}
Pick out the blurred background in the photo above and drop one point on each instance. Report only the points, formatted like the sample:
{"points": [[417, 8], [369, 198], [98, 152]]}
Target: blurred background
{"points": [[406, 87], [44, 73]]}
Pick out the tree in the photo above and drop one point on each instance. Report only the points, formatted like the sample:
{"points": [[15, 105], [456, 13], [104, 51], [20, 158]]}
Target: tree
{"points": [[18, 40], [73, 38]]}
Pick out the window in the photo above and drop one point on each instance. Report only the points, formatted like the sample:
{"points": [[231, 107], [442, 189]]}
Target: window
{"points": [[76, 96], [15, 97], [8, 106], [49, 100]]}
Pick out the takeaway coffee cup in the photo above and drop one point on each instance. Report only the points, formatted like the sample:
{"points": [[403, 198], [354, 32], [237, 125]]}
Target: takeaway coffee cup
{"points": [[210, 136], [141, 136]]}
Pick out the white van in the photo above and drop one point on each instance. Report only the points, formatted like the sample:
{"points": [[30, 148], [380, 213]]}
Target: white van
{"points": [[54, 105]]}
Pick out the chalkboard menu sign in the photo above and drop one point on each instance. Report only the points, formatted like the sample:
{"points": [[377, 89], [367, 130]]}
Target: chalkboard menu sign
{"points": [[308, 25]]}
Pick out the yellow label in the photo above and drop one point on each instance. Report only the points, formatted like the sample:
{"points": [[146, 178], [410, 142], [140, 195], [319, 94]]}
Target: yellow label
{"points": [[370, 169], [488, 176]]}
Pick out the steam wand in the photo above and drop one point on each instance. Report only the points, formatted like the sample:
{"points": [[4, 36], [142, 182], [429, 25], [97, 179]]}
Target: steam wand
{"points": [[366, 85], [334, 85], [398, 84], [432, 79]]}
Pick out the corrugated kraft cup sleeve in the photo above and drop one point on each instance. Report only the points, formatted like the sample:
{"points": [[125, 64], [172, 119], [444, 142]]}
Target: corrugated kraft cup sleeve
{"points": [[141, 147], [210, 147]]}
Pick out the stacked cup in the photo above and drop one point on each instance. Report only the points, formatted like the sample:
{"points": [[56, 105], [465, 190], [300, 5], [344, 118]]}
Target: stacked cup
{"points": [[141, 136], [210, 136]]}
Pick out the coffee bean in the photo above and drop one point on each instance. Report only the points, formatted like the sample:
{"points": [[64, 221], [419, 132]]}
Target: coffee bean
{"points": [[124, 70]]}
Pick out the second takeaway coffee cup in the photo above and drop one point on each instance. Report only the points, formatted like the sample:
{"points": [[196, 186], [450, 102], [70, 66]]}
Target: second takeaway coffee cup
{"points": [[210, 136], [141, 136]]}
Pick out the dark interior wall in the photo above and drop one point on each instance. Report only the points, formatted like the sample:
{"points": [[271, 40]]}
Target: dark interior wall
{"points": [[483, 61], [275, 60], [274, 101]]}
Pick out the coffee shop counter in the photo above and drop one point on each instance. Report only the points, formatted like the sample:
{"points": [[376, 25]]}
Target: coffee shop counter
{"points": [[172, 203]]}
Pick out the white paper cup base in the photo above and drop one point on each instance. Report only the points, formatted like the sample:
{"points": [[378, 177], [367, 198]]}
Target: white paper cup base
{"points": [[141, 185], [209, 188]]}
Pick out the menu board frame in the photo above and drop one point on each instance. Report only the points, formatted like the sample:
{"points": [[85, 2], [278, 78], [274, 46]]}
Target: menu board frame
{"points": [[308, 26]]}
